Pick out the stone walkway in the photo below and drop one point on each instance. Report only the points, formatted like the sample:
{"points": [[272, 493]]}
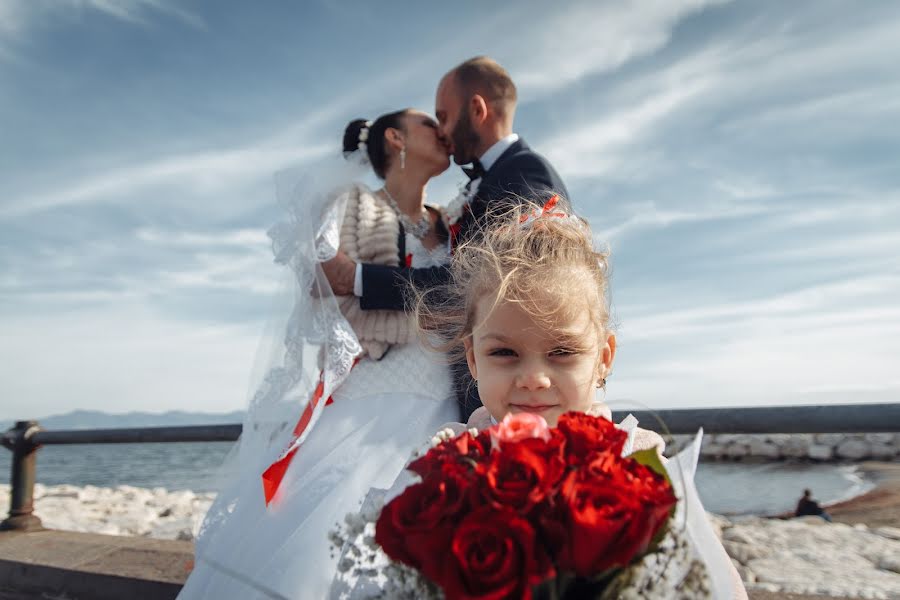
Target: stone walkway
{"points": [[74, 566]]}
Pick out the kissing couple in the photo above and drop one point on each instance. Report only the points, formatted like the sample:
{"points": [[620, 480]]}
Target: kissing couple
{"points": [[352, 391]]}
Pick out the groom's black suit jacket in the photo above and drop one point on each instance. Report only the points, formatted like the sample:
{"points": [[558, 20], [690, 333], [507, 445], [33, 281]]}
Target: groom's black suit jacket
{"points": [[519, 174]]}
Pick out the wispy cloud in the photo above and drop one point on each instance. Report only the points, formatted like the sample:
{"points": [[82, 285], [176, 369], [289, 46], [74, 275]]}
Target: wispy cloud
{"points": [[570, 45], [17, 16], [648, 215], [590, 149], [801, 346], [203, 172], [242, 238]]}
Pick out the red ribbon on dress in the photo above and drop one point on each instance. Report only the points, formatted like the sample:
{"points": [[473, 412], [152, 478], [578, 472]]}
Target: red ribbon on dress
{"points": [[272, 477]]}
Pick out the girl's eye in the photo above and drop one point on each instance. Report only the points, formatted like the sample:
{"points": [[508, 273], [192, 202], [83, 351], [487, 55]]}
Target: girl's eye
{"points": [[501, 352], [563, 352]]}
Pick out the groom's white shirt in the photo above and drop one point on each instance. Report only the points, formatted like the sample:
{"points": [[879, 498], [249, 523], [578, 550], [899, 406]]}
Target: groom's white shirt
{"points": [[487, 161]]}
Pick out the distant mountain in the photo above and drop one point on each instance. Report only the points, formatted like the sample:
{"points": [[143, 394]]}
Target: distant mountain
{"points": [[95, 419]]}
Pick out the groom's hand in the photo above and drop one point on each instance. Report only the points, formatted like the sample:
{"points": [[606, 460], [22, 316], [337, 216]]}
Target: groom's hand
{"points": [[340, 272]]}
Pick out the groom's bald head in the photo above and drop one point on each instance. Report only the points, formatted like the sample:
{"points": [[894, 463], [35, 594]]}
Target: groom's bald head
{"points": [[484, 76], [475, 106]]}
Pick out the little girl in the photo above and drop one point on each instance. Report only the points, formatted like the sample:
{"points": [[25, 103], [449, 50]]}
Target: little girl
{"points": [[528, 310]]}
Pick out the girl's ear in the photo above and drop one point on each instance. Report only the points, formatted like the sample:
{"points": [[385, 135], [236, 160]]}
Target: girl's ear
{"points": [[470, 357], [607, 355]]}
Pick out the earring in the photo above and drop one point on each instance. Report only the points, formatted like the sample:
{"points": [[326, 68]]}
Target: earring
{"points": [[602, 383], [403, 157], [475, 381]]}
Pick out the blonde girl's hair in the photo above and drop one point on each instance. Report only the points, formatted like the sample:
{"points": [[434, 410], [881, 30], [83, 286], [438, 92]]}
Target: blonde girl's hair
{"points": [[539, 257]]}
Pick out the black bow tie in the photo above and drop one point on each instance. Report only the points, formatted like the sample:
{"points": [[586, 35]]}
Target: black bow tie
{"points": [[476, 171]]}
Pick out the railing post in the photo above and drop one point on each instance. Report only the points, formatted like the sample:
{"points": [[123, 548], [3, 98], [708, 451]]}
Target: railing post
{"points": [[24, 459]]}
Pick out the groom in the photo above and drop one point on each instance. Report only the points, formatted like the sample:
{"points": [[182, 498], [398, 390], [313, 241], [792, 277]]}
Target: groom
{"points": [[475, 106]]}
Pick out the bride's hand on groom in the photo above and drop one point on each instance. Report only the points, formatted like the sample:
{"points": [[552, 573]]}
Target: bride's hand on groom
{"points": [[340, 272]]}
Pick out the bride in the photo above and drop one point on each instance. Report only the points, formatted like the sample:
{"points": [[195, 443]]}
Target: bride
{"points": [[348, 392]]}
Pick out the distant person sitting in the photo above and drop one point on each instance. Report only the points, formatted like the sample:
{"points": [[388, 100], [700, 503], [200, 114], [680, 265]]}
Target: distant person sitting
{"points": [[806, 506]]}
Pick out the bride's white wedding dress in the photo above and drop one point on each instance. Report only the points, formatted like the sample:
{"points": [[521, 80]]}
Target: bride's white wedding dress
{"points": [[362, 439]]}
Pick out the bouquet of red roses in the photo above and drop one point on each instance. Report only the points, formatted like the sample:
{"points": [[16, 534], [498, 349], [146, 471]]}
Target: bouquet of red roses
{"points": [[522, 510]]}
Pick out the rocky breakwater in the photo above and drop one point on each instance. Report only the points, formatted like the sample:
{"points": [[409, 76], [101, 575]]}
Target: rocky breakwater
{"points": [[122, 510], [817, 447], [811, 556]]}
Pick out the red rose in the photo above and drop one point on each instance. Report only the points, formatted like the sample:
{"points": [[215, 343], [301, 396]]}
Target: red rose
{"points": [[495, 555], [611, 515], [522, 474], [416, 527], [463, 450], [586, 435]]}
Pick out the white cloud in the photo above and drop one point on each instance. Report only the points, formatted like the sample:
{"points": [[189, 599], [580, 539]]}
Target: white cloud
{"points": [[18, 16], [571, 44], [247, 238], [248, 274], [799, 347], [648, 215], [206, 173], [828, 300], [842, 109], [590, 149]]}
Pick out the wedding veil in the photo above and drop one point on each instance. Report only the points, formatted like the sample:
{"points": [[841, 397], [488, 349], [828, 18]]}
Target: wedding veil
{"points": [[308, 345]]}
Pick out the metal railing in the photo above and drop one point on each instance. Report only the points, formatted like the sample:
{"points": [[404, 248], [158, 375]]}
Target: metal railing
{"points": [[27, 436]]}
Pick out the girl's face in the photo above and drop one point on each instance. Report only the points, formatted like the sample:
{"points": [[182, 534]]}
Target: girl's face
{"points": [[524, 366]]}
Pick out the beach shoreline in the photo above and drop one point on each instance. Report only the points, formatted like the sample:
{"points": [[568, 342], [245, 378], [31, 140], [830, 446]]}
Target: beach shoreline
{"points": [[840, 549], [879, 506]]}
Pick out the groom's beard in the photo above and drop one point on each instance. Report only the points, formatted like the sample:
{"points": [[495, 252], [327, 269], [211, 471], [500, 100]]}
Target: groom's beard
{"points": [[465, 140]]}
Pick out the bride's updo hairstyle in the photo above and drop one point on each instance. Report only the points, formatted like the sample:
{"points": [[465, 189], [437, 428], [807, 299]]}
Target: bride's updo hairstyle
{"points": [[544, 262], [376, 149]]}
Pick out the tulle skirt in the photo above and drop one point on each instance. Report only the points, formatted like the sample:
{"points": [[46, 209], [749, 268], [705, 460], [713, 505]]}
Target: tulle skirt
{"points": [[380, 414]]}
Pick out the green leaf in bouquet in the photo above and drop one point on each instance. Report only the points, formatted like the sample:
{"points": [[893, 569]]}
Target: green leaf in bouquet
{"points": [[650, 458]]}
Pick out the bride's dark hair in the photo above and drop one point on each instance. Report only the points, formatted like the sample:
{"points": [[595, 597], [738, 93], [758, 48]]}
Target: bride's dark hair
{"points": [[375, 146]]}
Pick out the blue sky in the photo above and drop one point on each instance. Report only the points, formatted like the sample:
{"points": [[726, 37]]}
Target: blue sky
{"points": [[739, 158]]}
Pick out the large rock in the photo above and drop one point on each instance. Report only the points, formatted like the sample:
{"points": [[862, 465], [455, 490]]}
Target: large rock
{"points": [[879, 438], [891, 533], [890, 563], [797, 446], [736, 450], [718, 523], [712, 450], [831, 439], [729, 438], [744, 553], [811, 556], [747, 576], [764, 449], [821, 452], [852, 449], [882, 451]]}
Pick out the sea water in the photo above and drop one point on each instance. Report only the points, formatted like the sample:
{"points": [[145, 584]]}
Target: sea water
{"points": [[725, 488]]}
